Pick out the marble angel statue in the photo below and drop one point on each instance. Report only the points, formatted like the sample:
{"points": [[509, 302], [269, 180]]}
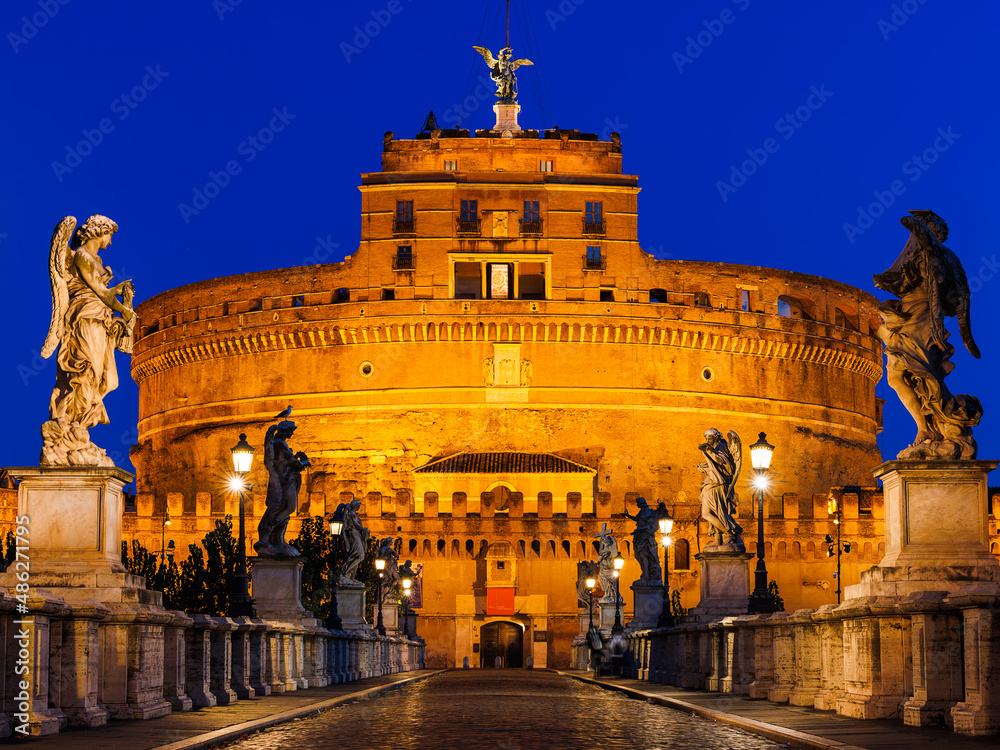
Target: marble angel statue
{"points": [[502, 70], [84, 333]]}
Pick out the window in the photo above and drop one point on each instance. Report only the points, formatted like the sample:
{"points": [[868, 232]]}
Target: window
{"points": [[607, 295], [658, 295], [388, 294], [404, 258], [341, 295], [745, 300], [298, 300], [595, 260], [402, 222], [468, 220], [545, 166], [593, 218], [701, 299], [450, 165], [531, 223], [682, 554]]}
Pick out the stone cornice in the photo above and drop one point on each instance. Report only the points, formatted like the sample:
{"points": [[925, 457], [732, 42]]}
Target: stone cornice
{"points": [[689, 335]]}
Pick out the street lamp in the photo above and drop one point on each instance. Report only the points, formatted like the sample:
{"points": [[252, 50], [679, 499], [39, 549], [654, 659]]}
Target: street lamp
{"points": [[591, 584], [833, 508], [666, 526], [242, 604], [619, 562], [333, 622], [761, 601], [163, 536], [379, 566], [407, 583]]}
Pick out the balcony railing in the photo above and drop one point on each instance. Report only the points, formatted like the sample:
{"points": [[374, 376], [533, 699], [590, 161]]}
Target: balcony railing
{"points": [[469, 226], [404, 226], [530, 227], [598, 227], [404, 262], [592, 263]]}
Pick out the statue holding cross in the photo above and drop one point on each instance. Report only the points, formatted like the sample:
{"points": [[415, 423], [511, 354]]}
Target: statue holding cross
{"points": [[605, 561]]}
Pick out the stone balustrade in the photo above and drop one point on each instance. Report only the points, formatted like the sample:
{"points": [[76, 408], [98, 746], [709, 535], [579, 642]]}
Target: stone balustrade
{"points": [[174, 661], [928, 658]]}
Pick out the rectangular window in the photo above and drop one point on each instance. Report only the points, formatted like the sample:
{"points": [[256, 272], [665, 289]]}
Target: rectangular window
{"points": [[531, 211], [607, 295], [388, 294], [594, 254], [470, 210], [744, 300], [595, 211], [450, 165], [404, 210], [404, 257], [545, 166]]}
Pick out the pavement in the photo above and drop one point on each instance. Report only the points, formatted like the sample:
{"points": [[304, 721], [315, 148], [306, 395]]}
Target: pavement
{"points": [[207, 727], [794, 726], [505, 693]]}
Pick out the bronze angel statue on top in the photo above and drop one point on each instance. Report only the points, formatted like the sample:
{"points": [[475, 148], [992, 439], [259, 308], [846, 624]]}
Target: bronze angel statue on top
{"points": [[721, 467], [930, 284], [86, 331], [502, 71]]}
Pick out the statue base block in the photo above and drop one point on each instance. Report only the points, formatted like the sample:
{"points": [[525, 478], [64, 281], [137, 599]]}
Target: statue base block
{"points": [[607, 619], [725, 585], [507, 117], [390, 617], [647, 605], [936, 530], [351, 608], [277, 588]]}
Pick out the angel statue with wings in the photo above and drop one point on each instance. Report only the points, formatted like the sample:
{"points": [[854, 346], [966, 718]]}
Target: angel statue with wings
{"points": [[284, 479], [502, 71], [86, 332], [721, 467], [931, 284]]}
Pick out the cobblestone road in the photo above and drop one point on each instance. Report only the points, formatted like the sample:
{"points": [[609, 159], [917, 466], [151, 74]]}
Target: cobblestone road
{"points": [[502, 710]]}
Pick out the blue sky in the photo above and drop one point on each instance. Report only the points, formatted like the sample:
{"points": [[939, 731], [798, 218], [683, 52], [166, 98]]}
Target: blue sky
{"points": [[129, 109]]}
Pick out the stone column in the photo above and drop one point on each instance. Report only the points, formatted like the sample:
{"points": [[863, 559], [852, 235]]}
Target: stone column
{"points": [[831, 638], [715, 658], [80, 666], [40, 640], [132, 661], [241, 683], [175, 662], [198, 646], [877, 657], [258, 670], [221, 665], [808, 659], [783, 643], [979, 712], [763, 656], [936, 638], [743, 661]]}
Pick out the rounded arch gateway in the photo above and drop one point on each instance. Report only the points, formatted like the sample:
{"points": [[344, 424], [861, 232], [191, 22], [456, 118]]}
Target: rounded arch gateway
{"points": [[503, 640]]}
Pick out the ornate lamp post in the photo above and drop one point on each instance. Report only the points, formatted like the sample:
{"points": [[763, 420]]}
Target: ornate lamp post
{"points": [[591, 585], [761, 602], [242, 604], [163, 536], [170, 553], [833, 508], [666, 615], [407, 583], [333, 622], [619, 562], [379, 566]]}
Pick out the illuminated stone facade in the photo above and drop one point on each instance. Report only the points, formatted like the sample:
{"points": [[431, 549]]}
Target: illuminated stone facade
{"points": [[499, 303]]}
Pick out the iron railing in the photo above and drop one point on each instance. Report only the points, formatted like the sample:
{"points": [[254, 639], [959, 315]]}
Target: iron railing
{"points": [[404, 262], [404, 226], [534, 226], [599, 227], [592, 263]]}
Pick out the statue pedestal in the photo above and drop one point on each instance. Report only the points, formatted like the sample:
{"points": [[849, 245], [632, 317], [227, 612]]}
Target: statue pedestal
{"points": [[277, 589], [507, 116], [647, 605], [936, 530], [390, 617], [73, 517], [725, 585], [607, 619], [351, 608]]}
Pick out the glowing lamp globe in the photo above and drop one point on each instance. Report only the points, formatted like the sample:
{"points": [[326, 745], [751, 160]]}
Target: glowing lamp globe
{"points": [[760, 453], [242, 455]]}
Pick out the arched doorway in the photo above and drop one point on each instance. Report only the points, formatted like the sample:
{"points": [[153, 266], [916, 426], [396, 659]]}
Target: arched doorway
{"points": [[503, 639]]}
